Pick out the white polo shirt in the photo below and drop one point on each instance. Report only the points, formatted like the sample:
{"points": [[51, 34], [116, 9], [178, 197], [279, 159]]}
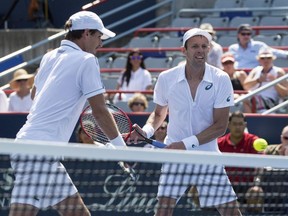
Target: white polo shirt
{"points": [[189, 117], [18, 104], [67, 77]]}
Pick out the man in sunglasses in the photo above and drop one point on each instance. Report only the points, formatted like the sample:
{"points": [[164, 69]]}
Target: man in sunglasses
{"points": [[246, 50]]}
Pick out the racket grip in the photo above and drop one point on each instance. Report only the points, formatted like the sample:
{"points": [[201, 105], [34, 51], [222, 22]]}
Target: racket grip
{"points": [[158, 144]]}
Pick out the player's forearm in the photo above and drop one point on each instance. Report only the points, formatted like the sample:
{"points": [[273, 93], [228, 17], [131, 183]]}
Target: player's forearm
{"points": [[157, 117]]}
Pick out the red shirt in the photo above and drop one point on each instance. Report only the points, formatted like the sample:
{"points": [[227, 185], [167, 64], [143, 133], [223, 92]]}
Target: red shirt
{"points": [[238, 174]]}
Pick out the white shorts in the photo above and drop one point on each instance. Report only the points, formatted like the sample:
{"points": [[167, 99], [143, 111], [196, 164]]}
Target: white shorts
{"points": [[41, 184], [213, 185]]}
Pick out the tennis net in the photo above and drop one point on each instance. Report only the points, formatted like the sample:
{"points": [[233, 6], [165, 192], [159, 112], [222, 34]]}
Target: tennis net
{"points": [[260, 182]]}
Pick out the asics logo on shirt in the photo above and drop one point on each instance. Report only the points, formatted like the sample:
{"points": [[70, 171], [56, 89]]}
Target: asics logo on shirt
{"points": [[209, 86]]}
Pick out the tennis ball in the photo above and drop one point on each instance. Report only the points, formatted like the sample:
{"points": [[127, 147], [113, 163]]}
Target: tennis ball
{"points": [[260, 144]]}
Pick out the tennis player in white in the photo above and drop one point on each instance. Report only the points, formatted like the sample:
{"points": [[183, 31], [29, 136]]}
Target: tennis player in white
{"points": [[67, 77], [198, 97]]}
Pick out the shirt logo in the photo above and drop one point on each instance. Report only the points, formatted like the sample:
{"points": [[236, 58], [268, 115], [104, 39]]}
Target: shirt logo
{"points": [[193, 146], [209, 86], [228, 99]]}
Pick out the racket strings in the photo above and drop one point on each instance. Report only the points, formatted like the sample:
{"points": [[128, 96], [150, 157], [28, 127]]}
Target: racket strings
{"points": [[92, 128]]}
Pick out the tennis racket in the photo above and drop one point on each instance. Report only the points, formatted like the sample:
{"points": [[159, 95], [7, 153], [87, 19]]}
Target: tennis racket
{"points": [[155, 143], [92, 129]]}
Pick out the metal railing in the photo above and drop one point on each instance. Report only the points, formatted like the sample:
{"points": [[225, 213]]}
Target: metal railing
{"points": [[191, 11], [7, 74], [262, 88]]}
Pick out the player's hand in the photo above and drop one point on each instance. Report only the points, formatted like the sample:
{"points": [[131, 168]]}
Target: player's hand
{"points": [[176, 145], [134, 136]]}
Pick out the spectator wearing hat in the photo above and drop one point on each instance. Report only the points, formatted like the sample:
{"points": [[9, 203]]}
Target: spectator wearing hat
{"points": [[20, 100], [260, 76], [216, 50], [246, 50], [3, 101], [237, 77]]}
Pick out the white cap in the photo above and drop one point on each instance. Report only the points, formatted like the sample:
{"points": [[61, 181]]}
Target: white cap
{"points": [[194, 32], [89, 20]]}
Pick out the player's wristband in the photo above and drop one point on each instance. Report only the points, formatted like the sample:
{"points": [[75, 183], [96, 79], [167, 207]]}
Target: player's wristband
{"points": [[191, 142], [149, 130], [118, 141]]}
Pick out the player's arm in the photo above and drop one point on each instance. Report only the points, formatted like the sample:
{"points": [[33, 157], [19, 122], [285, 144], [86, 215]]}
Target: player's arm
{"points": [[217, 129], [153, 123], [105, 119], [282, 87]]}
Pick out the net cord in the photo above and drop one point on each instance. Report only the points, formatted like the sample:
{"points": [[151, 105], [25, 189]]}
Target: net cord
{"points": [[86, 151]]}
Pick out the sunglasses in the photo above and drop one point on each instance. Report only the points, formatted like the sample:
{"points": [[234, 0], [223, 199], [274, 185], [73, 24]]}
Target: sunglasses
{"points": [[285, 137], [245, 34], [20, 80], [138, 103], [263, 58], [135, 57], [162, 128]]}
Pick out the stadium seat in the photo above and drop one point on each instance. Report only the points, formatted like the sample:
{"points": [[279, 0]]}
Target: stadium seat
{"points": [[279, 3], [227, 40], [220, 4], [228, 3], [273, 21], [257, 3], [105, 62], [110, 82], [281, 62], [119, 62], [237, 21], [177, 60], [140, 42], [217, 22], [152, 62], [170, 42], [284, 41], [151, 106], [271, 40], [184, 22], [123, 105]]}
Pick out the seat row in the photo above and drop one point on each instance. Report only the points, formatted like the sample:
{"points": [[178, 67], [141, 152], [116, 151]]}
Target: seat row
{"points": [[225, 21]]}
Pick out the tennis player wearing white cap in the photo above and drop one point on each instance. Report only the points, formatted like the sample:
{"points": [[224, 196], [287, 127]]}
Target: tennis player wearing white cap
{"points": [[198, 97], [67, 77]]}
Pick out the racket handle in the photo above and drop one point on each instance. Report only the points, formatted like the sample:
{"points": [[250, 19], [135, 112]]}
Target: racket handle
{"points": [[158, 144]]}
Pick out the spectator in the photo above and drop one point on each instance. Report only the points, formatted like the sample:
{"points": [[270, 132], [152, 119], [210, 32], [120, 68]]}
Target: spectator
{"points": [[3, 101], [81, 136], [135, 77], [216, 50], [161, 133], [279, 149], [138, 103], [260, 76], [237, 76], [246, 49], [20, 100], [268, 176], [239, 141]]}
